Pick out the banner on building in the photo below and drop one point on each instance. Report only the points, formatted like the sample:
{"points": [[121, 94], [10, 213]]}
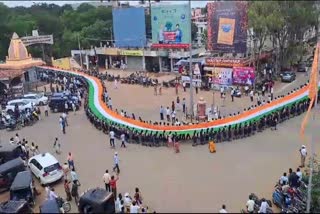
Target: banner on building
{"points": [[131, 52], [62, 63], [171, 25], [111, 51], [243, 75], [221, 76], [220, 62], [32, 40], [129, 27], [227, 26]]}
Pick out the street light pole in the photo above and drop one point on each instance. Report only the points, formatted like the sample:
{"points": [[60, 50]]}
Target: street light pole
{"points": [[190, 66], [79, 46]]}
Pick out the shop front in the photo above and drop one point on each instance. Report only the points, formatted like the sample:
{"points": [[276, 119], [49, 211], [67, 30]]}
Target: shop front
{"points": [[134, 59]]}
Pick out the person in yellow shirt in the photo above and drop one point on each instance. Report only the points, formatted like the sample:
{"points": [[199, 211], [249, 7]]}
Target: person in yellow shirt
{"points": [[212, 147]]}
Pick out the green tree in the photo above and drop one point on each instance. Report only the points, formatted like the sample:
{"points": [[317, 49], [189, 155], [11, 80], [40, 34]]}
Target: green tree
{"points": [[194, 31]]}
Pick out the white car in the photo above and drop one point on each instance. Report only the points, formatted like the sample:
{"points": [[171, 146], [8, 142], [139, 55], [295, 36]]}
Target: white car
{"points": [[37, 99], [22, 105], [46, 168]]}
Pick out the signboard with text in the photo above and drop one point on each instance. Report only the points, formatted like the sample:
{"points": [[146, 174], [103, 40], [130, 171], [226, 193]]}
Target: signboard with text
{"points": [[226, 62], [171, 25], [131, 52], [32, 40]]}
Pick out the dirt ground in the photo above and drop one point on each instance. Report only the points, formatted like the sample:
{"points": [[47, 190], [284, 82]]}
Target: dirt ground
{"points": [[191, 181]]}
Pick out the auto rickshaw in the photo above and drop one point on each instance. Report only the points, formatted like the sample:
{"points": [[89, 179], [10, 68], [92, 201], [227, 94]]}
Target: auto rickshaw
{"points": [[50, 206], [96, 200], [8, 172], [22, 188], [9, 151], [21, 206]]}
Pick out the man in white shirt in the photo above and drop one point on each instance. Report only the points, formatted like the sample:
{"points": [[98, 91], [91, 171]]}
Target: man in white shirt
{"points": [[264, 206], [284, 179], [299, 174], [303, 154], [251, 95], [168, 114], [116, 162], [123, 140], [134, 208], [111, 133], [64, 117], [250, 205], [223, 210], [74, 177], [17, 139], [106, 180], [221, 91], [52, 194]]}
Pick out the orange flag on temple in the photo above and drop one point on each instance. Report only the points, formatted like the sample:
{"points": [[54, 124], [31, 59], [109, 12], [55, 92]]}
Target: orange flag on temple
{"points": [[313, 88]]}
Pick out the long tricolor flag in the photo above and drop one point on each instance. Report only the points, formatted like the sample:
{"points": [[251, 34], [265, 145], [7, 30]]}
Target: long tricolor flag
{"points": [[313, 89]]}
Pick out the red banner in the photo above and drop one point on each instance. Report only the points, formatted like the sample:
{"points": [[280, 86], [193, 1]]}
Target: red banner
{"points": [[171, 46], [219, 62]]}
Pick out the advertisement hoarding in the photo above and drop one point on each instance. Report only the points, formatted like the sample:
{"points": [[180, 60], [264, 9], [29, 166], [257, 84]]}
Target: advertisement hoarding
{"points": [[221, 76], [32, 40], [227, 26], [171, 25], [129, 27], [243, 75]]}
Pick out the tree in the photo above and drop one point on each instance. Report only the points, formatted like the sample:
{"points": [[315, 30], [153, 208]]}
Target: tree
{"points": [[260, 21], [194, 31]]}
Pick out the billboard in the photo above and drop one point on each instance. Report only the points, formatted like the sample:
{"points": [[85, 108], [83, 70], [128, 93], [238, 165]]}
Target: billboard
{"points": [[31, 40], [171, 25], [227, 26], [129, 27], [243, 75], [221, 76]]}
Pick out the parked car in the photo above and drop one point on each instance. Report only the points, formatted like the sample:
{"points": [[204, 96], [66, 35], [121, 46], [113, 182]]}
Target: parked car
{"points": [[96, 200], [8, 172], [37, 99], [302, 67], [22, 188], [57, 104], [21, 206], [22, 105], [288, 76], [46, 168]]}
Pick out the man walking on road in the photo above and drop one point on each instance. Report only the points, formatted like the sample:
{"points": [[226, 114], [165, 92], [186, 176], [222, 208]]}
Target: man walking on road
{"points": [[303, 154], [106, 180], [161, 113], [116, 162], [112, 139], [232, 94], [123, 140], [251, 95]]}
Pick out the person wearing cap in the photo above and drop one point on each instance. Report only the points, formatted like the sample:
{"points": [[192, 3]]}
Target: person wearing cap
{"points": [[116, 162], [303, 154]]}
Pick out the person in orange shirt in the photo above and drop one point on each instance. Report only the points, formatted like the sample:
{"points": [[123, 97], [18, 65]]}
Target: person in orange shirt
{"points": [[70, 161], [212, 147]]}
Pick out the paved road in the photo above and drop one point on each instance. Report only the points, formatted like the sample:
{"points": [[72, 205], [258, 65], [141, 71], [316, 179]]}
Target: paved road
{"points": [[192, 181]]}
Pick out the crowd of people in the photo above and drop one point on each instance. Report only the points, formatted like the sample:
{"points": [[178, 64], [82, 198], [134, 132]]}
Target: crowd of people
{"points": [[226, 133]]}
